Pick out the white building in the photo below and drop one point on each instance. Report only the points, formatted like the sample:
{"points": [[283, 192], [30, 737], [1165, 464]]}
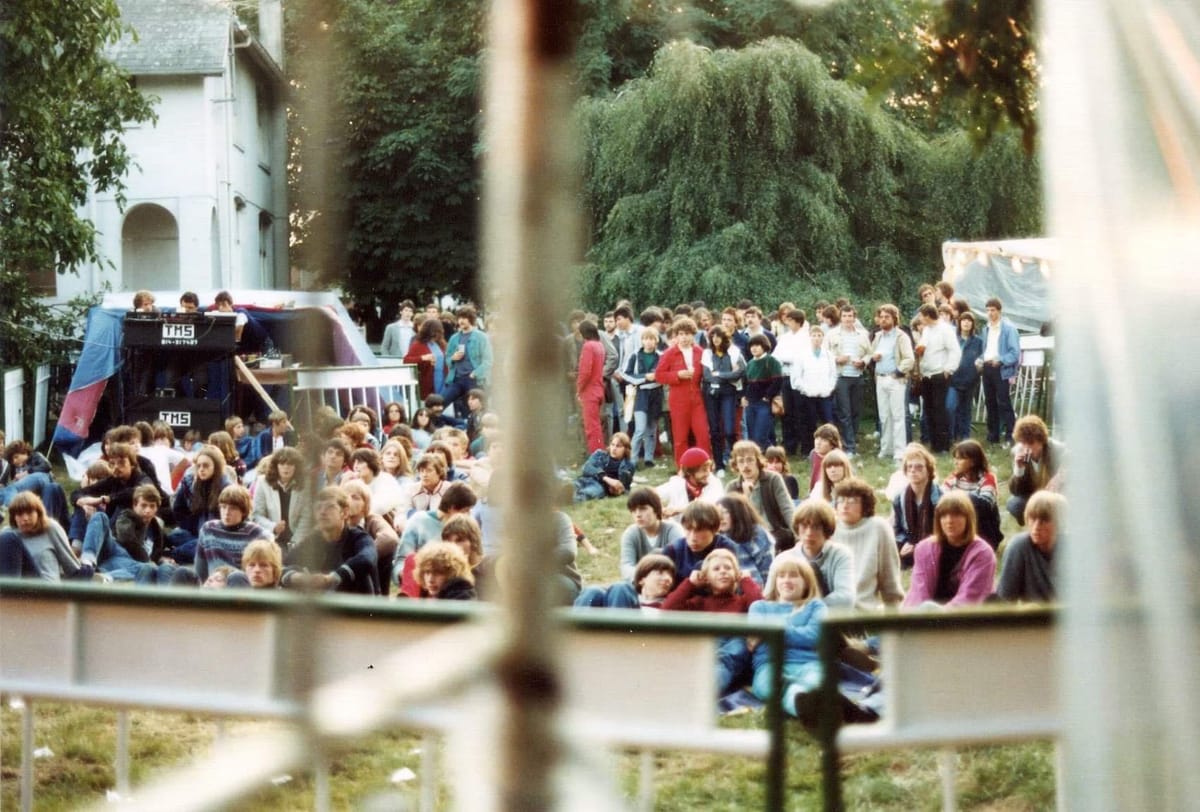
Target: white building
{"points": [[206, 204]]}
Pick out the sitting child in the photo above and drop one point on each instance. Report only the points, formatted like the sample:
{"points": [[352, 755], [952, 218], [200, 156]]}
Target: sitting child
{"points": [[791, 590]]}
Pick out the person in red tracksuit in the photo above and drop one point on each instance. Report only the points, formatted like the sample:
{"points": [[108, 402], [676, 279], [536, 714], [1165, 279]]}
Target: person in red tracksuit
{"points": [[680, 369], [589, 384]]}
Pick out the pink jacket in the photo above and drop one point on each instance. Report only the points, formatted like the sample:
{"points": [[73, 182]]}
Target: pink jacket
{"points": [[976, 573]]}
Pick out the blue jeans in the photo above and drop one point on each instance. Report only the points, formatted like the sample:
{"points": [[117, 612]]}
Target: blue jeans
{"points": [[15, 561], [733, 664], [958, 407], [620, 595], [722, 410], [108, 555], [647, 408], [761, 423], [588, 488], [49, 491]]}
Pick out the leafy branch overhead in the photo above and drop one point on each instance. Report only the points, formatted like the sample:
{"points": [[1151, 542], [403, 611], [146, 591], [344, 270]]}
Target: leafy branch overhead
{"points": [[64, 107]]}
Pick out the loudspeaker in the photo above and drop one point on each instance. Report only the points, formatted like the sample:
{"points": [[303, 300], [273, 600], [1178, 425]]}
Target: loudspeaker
{"points": [[182, 414]]}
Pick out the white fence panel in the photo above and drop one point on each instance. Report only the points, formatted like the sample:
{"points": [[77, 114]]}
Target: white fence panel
{"points": [[14, 404]]}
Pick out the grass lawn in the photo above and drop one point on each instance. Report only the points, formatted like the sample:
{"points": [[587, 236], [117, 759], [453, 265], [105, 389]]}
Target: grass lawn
{"points": [[83, 740]]}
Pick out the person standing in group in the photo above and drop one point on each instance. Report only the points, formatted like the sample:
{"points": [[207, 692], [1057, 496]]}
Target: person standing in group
{"points": [[791, 347], [850, 346], [681, 368], [764, 381], [428, 351], [724, 369], [589, 384], [964, 383], [398, 335], [647, 404], [892, 352], [469, 354], [999, 364], [940, 354]]}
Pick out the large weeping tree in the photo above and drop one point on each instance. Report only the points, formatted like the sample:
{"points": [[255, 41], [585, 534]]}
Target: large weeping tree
{"points": [[63, 108], [724, 174]]}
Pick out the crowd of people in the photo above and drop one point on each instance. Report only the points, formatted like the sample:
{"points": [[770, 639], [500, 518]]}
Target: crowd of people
{"points": [[383, 502]]}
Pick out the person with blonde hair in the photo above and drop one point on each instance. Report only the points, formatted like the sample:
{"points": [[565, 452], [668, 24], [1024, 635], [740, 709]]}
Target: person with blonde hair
{"points": [[444, 572], [835, 467], [793, 592], [1029, 571], [262, 566], [953, 567]]}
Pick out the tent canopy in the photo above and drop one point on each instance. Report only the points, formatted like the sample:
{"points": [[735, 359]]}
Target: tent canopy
{"points": [[1017, 272]]}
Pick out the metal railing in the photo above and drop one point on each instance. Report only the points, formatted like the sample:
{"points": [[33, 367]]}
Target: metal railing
{"points": [[342, 666]]}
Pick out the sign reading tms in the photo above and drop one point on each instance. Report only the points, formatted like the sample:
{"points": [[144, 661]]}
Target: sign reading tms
{"points": [[176, 419], [178, 334]]}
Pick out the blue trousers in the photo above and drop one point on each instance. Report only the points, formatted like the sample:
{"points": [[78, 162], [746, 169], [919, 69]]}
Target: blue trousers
{"points": [[722, 410]]}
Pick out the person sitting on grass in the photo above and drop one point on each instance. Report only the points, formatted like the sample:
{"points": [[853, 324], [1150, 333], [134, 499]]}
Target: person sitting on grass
{"points": [[444, 572], [953, 567], [765, 490], [197, 500], [701, 525], [35, 546], [387, 495], [791, 591], [425, 527], [1029, 570], [742, 525], [262, 566], [833, 563], [973, 476], [870, 539], [281, 500], [835, 467], [777, 461], [223, 540], [694, 481], [386, 539], [1037, 464], [825, 439], [336, 556], [649, 532], [719, 586], [608, 471], [25, 470], [130, 547], [652, 580], [913, 508], [464, 531]]}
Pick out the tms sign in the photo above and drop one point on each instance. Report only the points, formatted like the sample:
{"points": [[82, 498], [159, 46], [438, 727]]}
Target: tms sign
{"points": [[178, 334], [176, 419]]}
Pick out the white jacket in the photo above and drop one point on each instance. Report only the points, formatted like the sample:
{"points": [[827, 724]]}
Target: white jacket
{"points": [[266, 510], [815, 376]]}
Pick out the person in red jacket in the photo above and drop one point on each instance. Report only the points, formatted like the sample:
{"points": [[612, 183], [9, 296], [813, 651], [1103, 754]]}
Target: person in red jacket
{"points": [[589, 384], [680, 369]]}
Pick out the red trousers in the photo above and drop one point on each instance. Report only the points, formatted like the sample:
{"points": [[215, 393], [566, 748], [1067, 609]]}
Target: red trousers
{"points": [[688, 415]]}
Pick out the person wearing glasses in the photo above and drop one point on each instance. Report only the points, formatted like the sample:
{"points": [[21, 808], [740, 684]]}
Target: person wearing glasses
{"points": [[872, 543]]}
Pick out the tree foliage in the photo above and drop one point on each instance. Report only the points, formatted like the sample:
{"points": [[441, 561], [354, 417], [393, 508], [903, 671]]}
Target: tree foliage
{"points": [[407, 79], [63, 108], [725, 174]]}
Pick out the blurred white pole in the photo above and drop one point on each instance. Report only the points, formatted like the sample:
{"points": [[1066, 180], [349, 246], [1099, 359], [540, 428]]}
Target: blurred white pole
{"points": [[530, 239]]}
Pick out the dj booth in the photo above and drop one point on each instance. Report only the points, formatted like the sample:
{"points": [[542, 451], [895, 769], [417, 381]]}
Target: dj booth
{"points": [[173, 345]]}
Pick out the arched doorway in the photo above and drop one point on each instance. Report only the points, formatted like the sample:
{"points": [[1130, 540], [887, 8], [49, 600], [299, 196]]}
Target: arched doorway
{"points": [[150, 249]]}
